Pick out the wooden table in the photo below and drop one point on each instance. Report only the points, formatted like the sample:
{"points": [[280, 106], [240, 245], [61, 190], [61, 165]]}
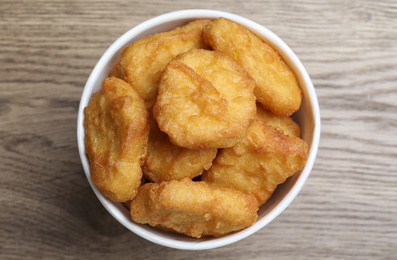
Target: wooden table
{"points": [[346, 210]]}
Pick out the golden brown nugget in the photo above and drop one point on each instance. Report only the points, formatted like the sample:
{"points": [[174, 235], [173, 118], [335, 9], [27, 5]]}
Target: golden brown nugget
{"points": [[166, 161], [205, 100], [276, 86], [264, 158], [116, 137], [116, 72], [285, 123], [193, 208], [144, 60]]}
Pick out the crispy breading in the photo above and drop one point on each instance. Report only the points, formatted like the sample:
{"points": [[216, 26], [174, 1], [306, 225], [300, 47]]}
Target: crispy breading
{"points": [[264, 158], [143, 61], [193, 208], [116, 71], [285, 123], [116, 137], [276, 87], [205, 100], [166, 161]]}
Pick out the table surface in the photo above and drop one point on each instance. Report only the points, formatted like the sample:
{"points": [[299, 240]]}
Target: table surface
{"points": [[346, 210]]}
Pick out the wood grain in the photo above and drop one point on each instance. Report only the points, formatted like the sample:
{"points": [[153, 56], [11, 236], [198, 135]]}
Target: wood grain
{"points": [[346, 210]]}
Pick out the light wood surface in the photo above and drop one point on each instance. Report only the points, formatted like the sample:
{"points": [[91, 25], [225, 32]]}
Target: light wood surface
{"points": [[346, 210]]}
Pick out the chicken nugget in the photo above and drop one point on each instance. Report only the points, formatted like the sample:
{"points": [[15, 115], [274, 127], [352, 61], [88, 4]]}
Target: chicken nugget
{"points": [[276, 87], [205, 100], [264, 158], [116, 71], [143, 61], [193, 208], [116, 137], [285, 123], [166, 161]]}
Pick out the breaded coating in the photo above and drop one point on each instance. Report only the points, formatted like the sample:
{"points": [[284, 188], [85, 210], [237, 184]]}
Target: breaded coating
{"points": [[116, 136], [116, 71], [166, 161], [285, 123], [276, 87], [144, 60], [193, 208], [264, 158], [205, 100]]}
